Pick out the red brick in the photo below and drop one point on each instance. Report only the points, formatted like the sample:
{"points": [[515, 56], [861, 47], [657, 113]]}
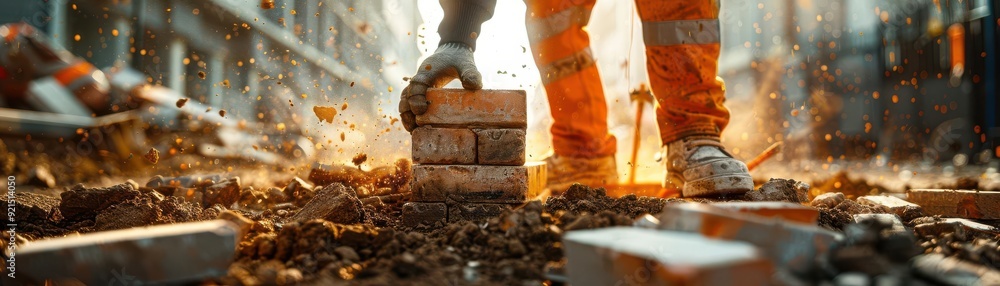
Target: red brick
{"points": [[480, 108], [160, 254], [636, 256], [475, 211], [784, 210], [792, 245], [477, 184], [427, 214], [957, 203], [443, 146], [500, 146]]}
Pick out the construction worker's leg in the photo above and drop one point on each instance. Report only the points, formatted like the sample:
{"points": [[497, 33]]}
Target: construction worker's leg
{"points": [[682, 50], [584, 150]]}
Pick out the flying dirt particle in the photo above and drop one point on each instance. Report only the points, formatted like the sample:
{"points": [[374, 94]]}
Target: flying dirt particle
{"points": [[352, 84], [359, 159], [267, 4], [225, 83], [343, 107], [390, 89], [201, 75], [208, 110], [280, 126], [393, 120], [152, 156], [222, 112], [325, 113], [255, 147], [343, 137], [352, 126], [181, 102]]}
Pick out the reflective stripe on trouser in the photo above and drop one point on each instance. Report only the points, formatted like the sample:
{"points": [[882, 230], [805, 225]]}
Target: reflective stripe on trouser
{"points": [[561, 49], [682, 52]]}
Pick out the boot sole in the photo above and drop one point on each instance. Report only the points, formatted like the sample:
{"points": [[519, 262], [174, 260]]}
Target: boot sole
{"points": [[720, 185]]}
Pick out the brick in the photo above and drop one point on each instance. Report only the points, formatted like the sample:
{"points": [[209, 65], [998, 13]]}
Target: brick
{"points": [[905, 210], [500, 146], [828, 200], [635, 256], [477, 184], [428, 214], [784, 210], [480, 108], [475, 211], [957, 203], [114, 254], [443, 146], [792, 245], [335, 203]]}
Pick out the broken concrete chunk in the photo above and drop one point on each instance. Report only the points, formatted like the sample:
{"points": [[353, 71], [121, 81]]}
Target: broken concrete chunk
{"points": [[475, 211], [789, 244], [780, 190], [225, 193], [500, 146], [961, 227], [957, 203], [428, 214], [443, 146], [82, 203], [828, 200], [475, 108], [784, 210], [477, 184], [905, 210], [635, 256], [953, 271], [887, 219], [167, 254], [335, 203]]}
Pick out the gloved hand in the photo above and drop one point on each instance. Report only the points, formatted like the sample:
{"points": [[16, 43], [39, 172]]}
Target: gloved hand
{"points": [[449, 61]]}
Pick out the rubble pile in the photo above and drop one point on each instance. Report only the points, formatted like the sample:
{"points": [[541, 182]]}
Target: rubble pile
{"points": [[328, 231]]}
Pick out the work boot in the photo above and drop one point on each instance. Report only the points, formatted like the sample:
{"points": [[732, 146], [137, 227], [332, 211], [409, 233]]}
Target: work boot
{"points": [[699, 166], [593, 172]]}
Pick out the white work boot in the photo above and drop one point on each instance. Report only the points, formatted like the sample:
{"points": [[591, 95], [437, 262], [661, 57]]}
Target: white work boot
{"points": [[700, 167], [593, 172]]}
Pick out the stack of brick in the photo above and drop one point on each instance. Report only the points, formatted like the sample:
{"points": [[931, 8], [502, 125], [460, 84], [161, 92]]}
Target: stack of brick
{"points": [[469, 151]]}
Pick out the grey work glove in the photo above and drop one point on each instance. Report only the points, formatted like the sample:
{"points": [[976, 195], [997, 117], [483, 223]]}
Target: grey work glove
{"points": [[449, 61]]}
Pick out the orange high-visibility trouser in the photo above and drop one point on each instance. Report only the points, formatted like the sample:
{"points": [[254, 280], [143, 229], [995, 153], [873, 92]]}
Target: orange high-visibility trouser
{"points": [[682, 50]]}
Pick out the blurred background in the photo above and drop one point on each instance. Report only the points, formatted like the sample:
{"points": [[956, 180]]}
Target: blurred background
{"points": [[903, 87]]}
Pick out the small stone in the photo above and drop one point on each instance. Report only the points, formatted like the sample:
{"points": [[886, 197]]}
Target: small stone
{"points": [[335, 203], [153, 156]]}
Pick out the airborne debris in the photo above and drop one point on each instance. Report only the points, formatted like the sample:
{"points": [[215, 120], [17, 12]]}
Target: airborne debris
{"points": [[181, 102], [359, 159], [325, 113], [152, 156]]}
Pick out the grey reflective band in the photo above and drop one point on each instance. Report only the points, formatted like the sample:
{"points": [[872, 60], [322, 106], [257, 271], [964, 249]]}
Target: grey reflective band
{"points": [[668, 33], [544, 28], [566, 66]]}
